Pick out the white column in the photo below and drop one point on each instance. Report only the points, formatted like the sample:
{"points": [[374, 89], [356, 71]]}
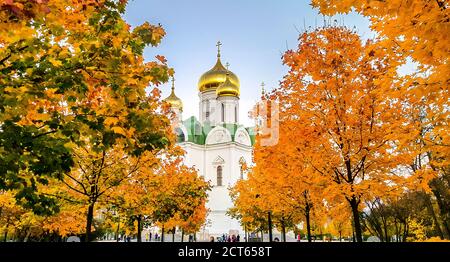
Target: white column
{"points": [[231, 109], [209, 108]]}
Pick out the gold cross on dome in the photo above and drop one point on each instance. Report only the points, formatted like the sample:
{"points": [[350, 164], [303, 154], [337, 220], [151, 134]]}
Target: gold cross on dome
{"points": [[219, 44], [227, 65]]}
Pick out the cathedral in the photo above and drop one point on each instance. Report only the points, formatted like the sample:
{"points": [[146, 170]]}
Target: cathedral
{"points": [[215, 143]]}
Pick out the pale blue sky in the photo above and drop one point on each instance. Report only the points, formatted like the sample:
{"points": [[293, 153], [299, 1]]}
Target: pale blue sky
{"points": [[254, 34]]}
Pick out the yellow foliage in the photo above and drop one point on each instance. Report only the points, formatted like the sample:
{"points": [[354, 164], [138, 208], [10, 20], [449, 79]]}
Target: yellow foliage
{"points": [[435, 239]]}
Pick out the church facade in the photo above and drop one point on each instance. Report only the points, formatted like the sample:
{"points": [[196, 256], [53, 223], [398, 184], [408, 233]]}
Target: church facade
{"points": [[215, 143]]}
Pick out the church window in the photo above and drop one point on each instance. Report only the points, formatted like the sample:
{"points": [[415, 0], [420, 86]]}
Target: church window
{"points": [[242, 172], [223, 113], [219, 176], [235, 114], [207, 110]]}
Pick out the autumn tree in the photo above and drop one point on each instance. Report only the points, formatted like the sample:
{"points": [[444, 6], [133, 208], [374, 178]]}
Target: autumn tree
{"points": [[340, 221], [418, 30], [97, 175], [180, 195], [247, 205], [277, 186], [21, 224], [72, 71], [193, 222], [348, 119], [280, 185]]}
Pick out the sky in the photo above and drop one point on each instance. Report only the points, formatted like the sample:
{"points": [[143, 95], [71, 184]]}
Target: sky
{"points": [[254, 35]]}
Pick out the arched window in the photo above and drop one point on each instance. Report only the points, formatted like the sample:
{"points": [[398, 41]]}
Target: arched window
{"points": [[242, 172], [207, 110], [219, 176], [235, 114], [223, 113]]}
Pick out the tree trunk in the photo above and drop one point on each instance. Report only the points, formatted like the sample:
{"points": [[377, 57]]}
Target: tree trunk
{"points": [[353, 233], [397, 232], [139, 234], [386, 236], [245, 233], [173, 235], [269, 220], [442, 212], [89, 219], [283, 230], [118, 229], [5, 236], [358, 232], [308, 224], [27, 236], [405, 230], [162, 233], [182, 235], [430, 209]]}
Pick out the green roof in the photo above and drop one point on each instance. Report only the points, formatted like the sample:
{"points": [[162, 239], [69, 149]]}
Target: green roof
{"points": [[252, 133], [197, 133]]}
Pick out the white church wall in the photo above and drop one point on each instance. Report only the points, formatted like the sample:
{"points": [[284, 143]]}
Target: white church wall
{"points": [[242, 137], [206, 158], [209, 108], [230, 108], [218, 135]]}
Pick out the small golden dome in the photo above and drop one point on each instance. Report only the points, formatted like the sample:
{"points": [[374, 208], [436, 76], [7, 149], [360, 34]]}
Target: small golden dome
{"points": [[213, 78], [228, 88], [173, 100]]}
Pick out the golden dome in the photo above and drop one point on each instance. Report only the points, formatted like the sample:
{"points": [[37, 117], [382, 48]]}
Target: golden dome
{"points": [[173, 100], [228, 88], [213, 78]]}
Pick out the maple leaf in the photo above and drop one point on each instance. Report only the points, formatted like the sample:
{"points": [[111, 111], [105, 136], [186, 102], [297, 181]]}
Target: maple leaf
{"points": [[161, 58]]}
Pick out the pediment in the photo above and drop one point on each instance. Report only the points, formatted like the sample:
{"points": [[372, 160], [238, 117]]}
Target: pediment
{"points": [[218, 160]]}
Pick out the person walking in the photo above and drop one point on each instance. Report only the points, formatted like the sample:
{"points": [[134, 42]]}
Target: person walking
{"points": [[238, 238]]}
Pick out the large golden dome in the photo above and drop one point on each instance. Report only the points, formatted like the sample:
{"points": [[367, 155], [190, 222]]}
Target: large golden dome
{"points": [[227, 88], [173, 100], [213, 78]]}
